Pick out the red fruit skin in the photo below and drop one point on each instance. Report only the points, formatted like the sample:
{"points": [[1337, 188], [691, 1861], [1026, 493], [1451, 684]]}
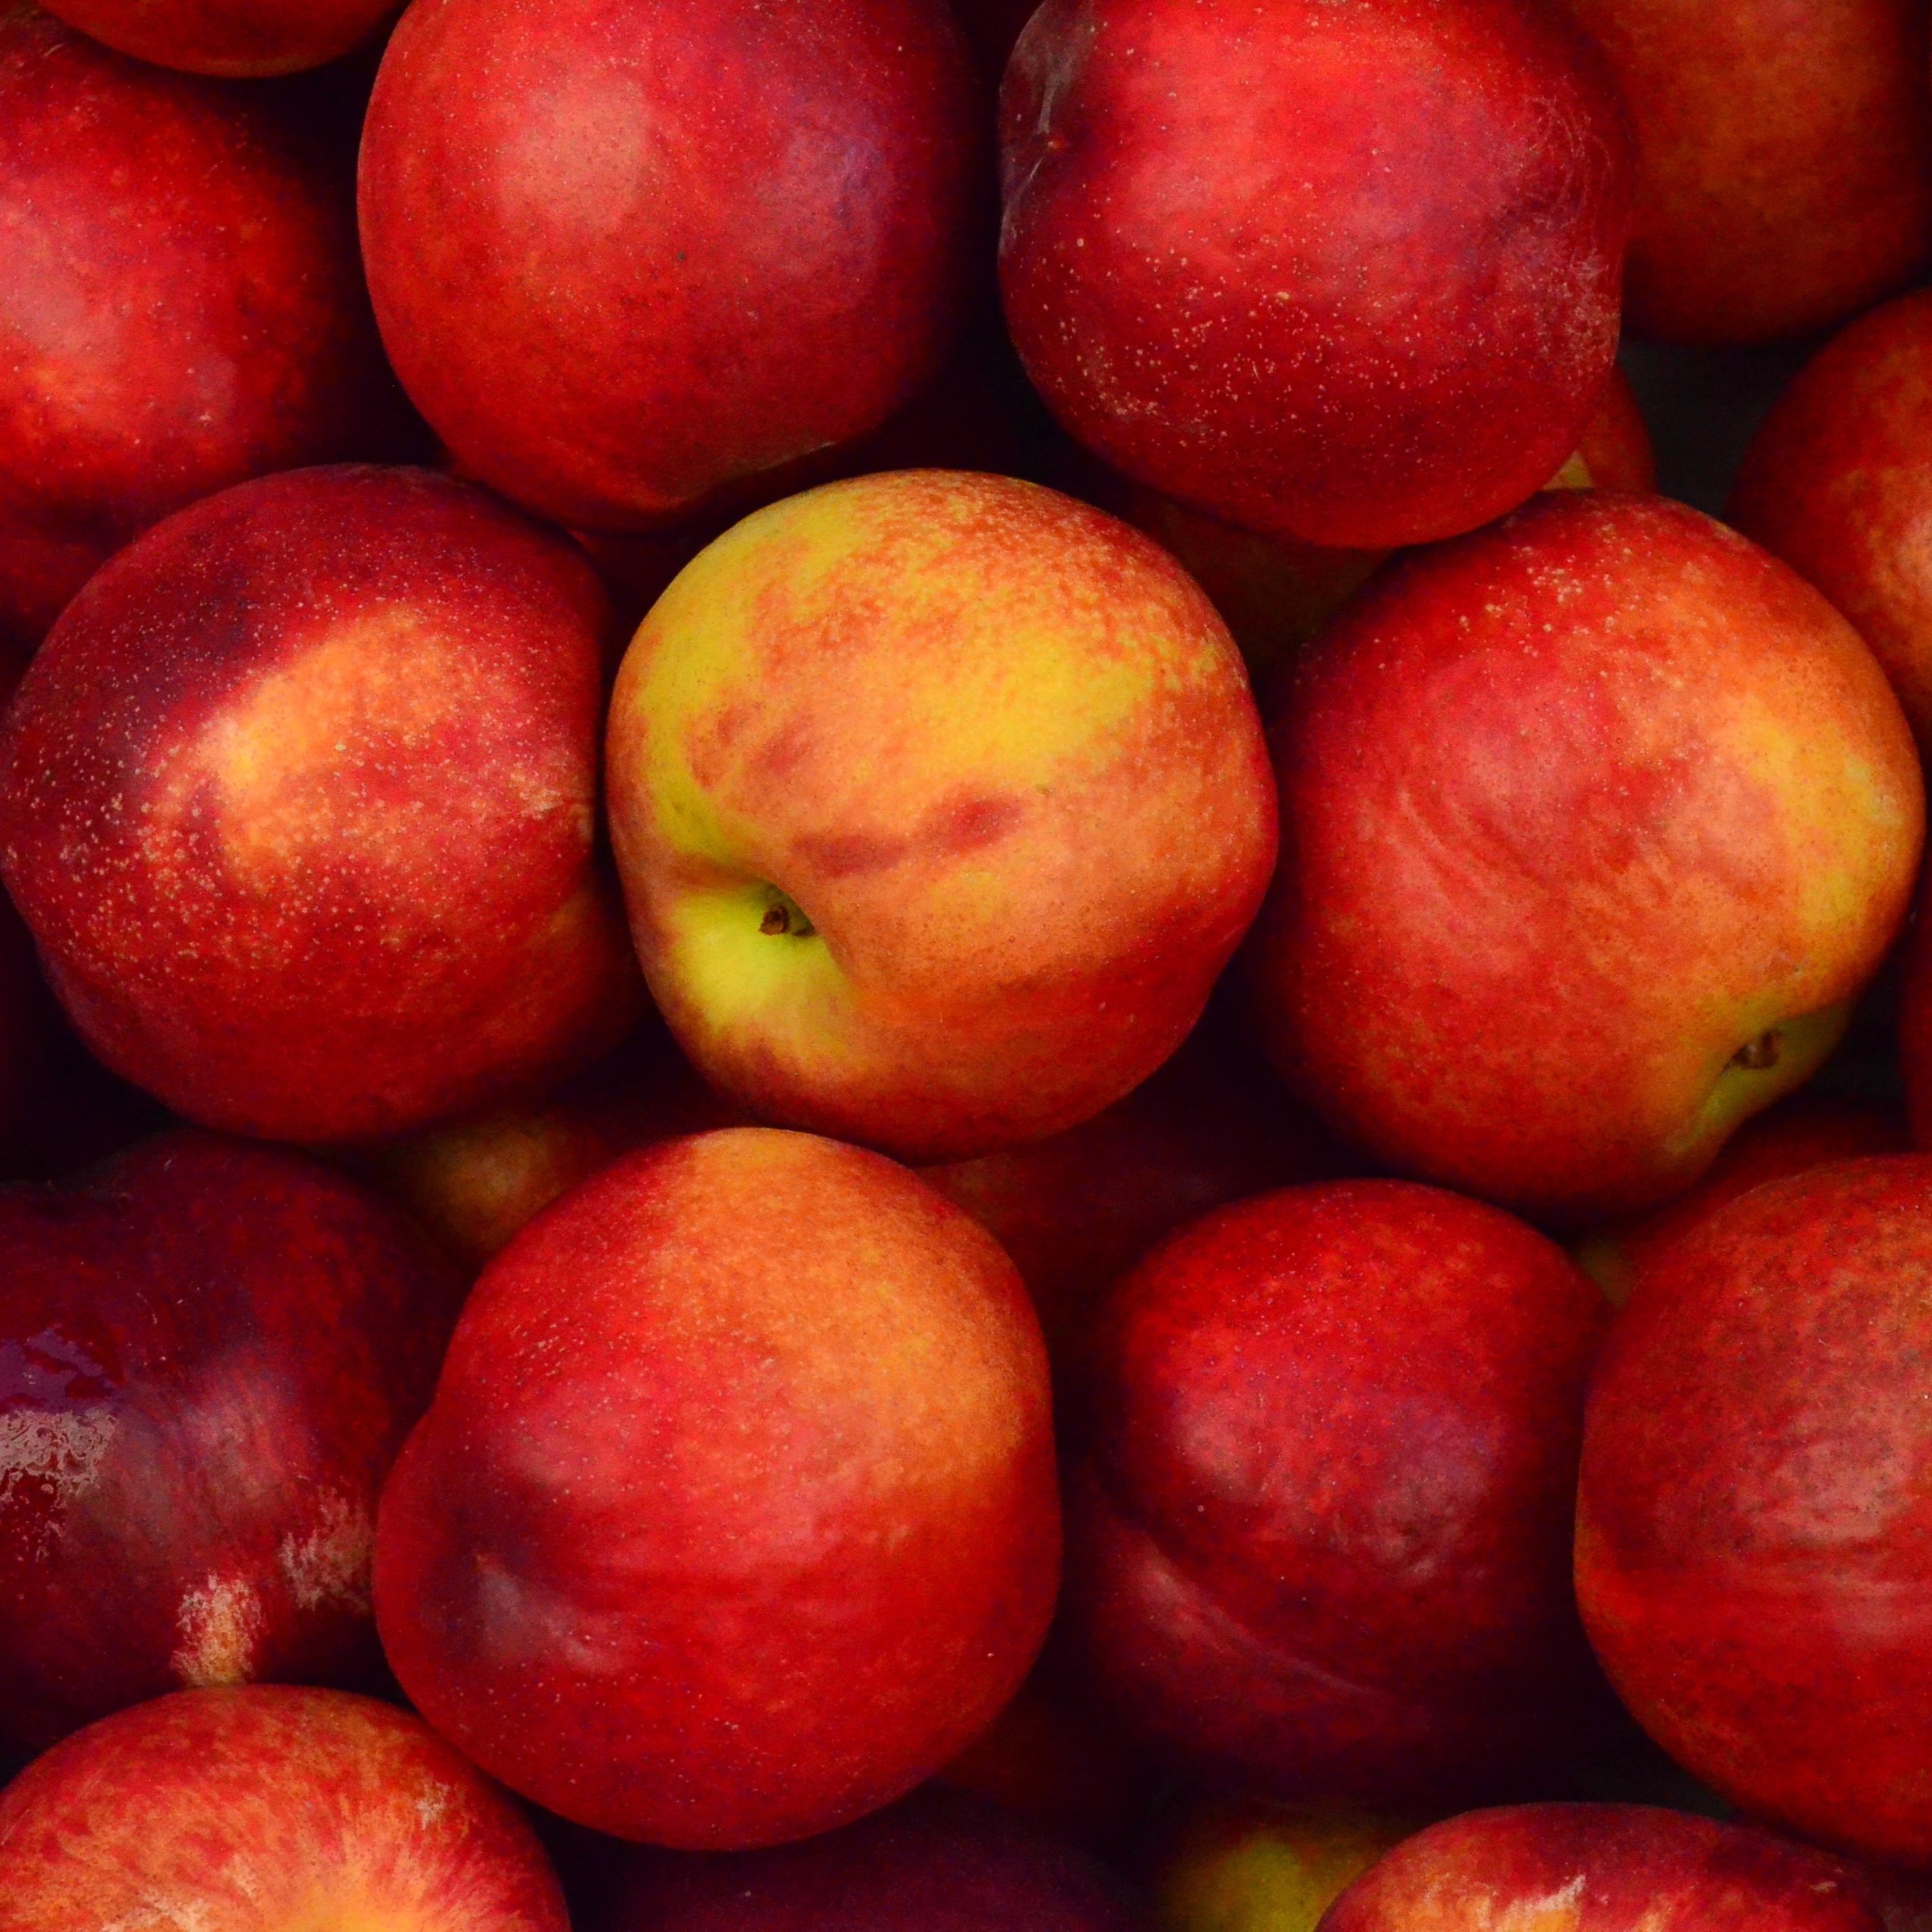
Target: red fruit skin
{"points": [[1808, 1130], [1754, 1538], [1321, 1543], [234, 38], [181, 307], [1838, 483], [261, 1809], [210, 1355], [712, 239], [936, 1862], [1559, 802], [300, 802], [694, 1545], [1784, 160], [1602, 1868], [1188, 216]]}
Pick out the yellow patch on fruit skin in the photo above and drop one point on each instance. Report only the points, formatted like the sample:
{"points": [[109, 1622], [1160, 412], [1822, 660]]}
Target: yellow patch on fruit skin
{"points": [[999, 752], [1019, 678], [338, 752]]}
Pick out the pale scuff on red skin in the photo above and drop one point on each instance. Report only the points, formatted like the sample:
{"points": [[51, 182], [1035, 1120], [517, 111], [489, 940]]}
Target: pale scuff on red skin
{"points": [[300, 802], [626, 257], [181, 307], [1603, 1868], [210, 1353], [734, 1515], [1753, 1517], [259, 1809], [1784, 160], [1348, 275], [1576, 810], [1320, 1544]]}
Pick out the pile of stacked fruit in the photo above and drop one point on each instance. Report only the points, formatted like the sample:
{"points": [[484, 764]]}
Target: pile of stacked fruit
{"points": [[903, 982]]}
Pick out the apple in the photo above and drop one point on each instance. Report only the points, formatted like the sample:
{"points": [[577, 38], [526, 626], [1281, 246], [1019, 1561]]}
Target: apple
{"points": [[940, 801], [299, 800], [1246, 1865], [266, 1809], [936, 1862], [181, 306], [236, 38], [1755, 1509], [1805, 1130], [1320, 1543], [1838, 483], [1594, 824], [210, 1355], [734, 1514], [1602, 1868], [1784, 160], [1346, 275], [627, 257]]}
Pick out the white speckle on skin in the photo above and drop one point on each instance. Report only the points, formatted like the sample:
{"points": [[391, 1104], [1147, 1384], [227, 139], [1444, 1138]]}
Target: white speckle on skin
{"points": [[61, 1450], [220, 1625], [331, 1562]]}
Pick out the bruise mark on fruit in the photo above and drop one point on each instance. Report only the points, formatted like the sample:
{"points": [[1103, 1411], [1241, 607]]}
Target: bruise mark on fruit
{"points": [[1760, 1055], [849, 855], [963, 822], [220, 1623], [966, 824]]}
